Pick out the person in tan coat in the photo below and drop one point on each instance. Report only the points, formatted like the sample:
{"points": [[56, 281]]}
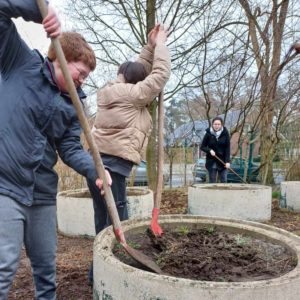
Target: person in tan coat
{"points": [[123, 122]]}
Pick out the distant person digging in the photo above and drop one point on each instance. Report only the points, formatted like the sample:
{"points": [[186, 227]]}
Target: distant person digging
{"points": [[216, 143]]}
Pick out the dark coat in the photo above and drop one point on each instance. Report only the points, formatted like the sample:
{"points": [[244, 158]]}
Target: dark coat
{"points": [[221, 146], [36, 120]]}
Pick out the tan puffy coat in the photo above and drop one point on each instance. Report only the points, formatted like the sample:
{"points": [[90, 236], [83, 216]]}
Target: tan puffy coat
{"points": [[123, 123]]}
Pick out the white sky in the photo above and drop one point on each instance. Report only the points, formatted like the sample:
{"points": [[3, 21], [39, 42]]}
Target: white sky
{"points": [[34, 34]]}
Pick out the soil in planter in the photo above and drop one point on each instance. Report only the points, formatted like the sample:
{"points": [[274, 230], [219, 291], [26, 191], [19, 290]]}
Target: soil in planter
{"points": [[209, 254]]}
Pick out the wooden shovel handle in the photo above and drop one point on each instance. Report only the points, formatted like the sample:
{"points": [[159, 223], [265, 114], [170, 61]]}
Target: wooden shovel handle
{"points": [[221, 161], [160, 161], [110, 203]]}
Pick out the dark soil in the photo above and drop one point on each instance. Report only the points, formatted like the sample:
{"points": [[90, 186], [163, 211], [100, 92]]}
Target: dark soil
{"points": [[210, 254], [75, 254]]}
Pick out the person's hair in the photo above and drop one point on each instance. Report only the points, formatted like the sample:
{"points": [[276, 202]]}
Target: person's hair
{"points": [[218, 119], [133, 72], [75, 48]]}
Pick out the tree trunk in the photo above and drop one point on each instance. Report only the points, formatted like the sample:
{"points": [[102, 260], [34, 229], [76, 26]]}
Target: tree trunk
{"points": [[267, 142], [171, 173], [151, 153], [152, 150]]}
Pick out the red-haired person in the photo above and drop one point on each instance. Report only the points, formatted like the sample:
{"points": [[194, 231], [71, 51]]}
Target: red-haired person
{"points": [[37, 123]]}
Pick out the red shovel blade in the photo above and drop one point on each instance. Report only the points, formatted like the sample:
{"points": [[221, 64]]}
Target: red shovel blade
{"points": [[156, 229]]}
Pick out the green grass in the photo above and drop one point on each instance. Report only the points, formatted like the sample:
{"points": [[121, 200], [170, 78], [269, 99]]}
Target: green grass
{"points": [[211, 229], [183, 230], [242, 240], [276, 194]]}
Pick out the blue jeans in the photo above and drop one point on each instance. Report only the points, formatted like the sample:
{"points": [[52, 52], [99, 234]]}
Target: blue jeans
{"points": [[101, 216], [34, 226], [214, 172]]}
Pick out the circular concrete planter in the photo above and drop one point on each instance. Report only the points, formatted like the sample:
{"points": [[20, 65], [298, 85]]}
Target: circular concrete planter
{"points": [[115, 280], [290, 195], [140, 202], [75, 212], [235, 201]]}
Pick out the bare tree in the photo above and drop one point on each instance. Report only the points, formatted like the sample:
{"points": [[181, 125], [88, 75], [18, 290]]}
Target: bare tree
{"points": [[225, 55], [267, 21], [117, 29]]}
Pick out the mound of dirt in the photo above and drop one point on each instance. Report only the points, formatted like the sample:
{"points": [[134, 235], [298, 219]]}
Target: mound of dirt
{"points": [[210, 254]]}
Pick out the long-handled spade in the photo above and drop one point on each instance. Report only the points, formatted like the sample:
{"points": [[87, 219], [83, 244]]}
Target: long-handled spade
{"points": [[109, 200], [221, 161], [156, 229]]}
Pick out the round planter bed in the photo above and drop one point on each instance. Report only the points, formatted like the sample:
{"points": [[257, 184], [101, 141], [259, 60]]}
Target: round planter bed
{"points": [[75, 213], [140, 202], [289, 195], [234, 201], [116, 280]]}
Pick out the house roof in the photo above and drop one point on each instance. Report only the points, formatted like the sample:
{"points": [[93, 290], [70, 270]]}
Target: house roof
{"points": [[193, 132]]}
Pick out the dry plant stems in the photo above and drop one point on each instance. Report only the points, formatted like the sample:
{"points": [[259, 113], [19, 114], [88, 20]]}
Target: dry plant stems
{"points": [[68, 178], [109, 200]]}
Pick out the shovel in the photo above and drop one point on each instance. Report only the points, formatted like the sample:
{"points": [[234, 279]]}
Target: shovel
{"points": [[109, 200], [156, 229], [221, 161]]}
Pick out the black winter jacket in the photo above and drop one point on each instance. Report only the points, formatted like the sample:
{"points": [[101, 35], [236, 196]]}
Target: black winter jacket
{"points": [[221, 146], [36, 120]]}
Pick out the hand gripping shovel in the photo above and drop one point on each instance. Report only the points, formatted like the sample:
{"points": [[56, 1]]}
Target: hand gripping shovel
{"points": [[109, 200], [221, 161], [156, 229]]}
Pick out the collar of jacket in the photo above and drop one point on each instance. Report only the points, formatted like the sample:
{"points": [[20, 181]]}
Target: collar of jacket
{"points": [[120, 79], [207, 130], [48, 71]]}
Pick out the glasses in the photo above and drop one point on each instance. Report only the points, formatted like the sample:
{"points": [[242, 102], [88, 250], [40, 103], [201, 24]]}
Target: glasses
{"points": [[82, 75]]}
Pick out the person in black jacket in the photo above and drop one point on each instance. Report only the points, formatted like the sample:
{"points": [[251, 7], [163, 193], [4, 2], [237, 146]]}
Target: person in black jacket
{"points": [[216, 143]]}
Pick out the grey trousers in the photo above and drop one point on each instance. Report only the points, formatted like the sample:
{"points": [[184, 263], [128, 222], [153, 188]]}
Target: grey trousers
{"points": [[34, 226]]}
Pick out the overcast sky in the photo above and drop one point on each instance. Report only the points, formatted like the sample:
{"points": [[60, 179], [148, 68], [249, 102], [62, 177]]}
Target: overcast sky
{"points": [[34, 34]]}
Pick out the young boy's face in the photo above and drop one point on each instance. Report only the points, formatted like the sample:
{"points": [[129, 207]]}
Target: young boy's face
{"points": [[79, 73]]}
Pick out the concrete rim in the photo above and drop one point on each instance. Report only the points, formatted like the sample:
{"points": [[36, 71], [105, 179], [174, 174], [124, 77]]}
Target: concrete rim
{"points": [[140, 190], [230, 186], [105, 240], [75, 192]]}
